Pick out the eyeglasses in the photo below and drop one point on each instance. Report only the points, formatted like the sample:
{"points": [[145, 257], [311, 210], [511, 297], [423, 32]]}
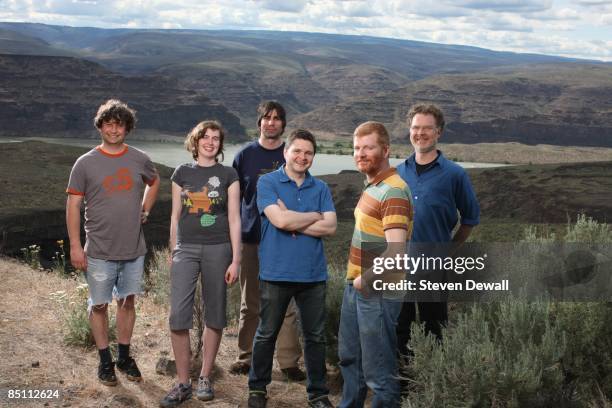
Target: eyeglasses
{"points": [[427, 129]]}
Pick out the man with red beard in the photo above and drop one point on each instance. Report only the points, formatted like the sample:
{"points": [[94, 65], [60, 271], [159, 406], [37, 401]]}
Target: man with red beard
{"points": [[383, 216]]}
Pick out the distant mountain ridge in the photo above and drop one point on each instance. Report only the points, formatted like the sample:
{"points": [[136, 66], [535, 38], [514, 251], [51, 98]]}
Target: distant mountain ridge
{"points": [[330, 83], [59, 96]]}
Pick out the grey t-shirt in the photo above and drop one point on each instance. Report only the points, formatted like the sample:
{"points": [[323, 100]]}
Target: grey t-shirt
{"points": [[112, 187], [204, 203]]}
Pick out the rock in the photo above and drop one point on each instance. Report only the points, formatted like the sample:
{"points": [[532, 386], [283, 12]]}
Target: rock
{"points": [[150, 344], [165, 366], [35, 364], [123, 400]]}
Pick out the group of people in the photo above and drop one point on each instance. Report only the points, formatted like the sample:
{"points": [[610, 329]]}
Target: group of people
{"points": [[261, 221]]}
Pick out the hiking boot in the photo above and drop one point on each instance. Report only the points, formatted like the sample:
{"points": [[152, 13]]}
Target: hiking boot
{"points": [[321, 402], [294, 374], [257, 399], [177, 395], [239, 368], [106, 374], [205, 391], [129, 368]]}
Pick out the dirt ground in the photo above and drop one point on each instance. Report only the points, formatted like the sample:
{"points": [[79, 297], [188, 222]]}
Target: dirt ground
{"points": [[34, 357]]}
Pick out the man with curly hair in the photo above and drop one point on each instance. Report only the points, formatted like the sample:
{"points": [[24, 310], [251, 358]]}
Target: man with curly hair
{"points": [[110, 180]]}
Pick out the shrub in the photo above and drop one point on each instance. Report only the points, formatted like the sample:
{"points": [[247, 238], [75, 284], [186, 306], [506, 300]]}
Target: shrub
{"points": [[31, 256], [499, 354], [587, 361], [516, 353], [75, 319], [588, 230], [335, 291], [157, 281], [60, 264]]}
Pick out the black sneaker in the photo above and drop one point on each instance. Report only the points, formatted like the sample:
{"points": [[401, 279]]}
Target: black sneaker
{"points": [[129, 368], [294, 374], [257, 399], [106, 374], [177, 395], [321, 402]]}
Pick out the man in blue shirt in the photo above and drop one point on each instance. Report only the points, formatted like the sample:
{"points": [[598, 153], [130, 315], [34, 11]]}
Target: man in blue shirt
{"points": [[257, 158], [440, 189], [297, 210]]}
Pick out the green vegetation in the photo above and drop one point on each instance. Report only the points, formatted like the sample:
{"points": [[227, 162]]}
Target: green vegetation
{"points": [[335, 291], [75, 321], [60, 261], [31, 255], [516, 353], [157, 276]]}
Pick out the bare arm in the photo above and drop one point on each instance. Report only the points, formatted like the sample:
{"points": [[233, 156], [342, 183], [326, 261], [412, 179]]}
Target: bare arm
{"points": [[322, 228], [174, 214], [396, 244], [462, 234], [149, 197], [73, 224], [233, 214], [289, 220]]}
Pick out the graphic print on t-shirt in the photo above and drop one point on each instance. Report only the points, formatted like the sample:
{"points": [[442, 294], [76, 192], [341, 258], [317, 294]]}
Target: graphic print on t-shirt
{"points": [[201, 202], [120, 181], [275, 165]]}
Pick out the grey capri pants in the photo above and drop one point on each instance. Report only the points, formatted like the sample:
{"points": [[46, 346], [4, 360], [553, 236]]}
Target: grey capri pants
{"points": [[189, 261]]}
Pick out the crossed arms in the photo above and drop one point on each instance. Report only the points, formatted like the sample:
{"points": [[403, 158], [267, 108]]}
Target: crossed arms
{"points": [[311, 223]]}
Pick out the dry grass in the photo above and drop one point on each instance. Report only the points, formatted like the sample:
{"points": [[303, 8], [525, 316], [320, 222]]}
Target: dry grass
{"points": [[30, 332]]}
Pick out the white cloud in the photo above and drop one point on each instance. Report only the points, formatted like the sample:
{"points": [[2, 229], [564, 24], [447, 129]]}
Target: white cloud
{"points": [[521, 6], [578, 28], [289, 6]]}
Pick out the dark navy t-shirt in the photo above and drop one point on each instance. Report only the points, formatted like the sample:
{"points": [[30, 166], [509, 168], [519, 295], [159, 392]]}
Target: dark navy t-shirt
{"points": [[252, 162]]}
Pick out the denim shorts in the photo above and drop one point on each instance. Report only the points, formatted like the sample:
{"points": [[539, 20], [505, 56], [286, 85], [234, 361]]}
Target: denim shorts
{"points": [[113, 278]]}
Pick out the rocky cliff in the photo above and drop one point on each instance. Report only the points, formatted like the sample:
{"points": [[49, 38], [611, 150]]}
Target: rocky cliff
{"points": [[42, 95]]}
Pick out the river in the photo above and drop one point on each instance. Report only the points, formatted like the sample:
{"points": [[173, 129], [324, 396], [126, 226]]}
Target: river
{"points": [[172, 154]]}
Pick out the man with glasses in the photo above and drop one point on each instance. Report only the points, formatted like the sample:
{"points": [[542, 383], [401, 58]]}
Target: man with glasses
{"points": [[440, 189]]}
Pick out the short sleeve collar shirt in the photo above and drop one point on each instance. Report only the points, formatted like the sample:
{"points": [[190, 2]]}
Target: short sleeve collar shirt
{"points": [[291, 256]]}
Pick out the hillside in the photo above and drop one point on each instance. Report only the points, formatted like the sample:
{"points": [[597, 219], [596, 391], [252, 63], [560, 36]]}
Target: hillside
{"points": [[331, 83], [35, 357], [568, 103], [31, 192], [550, 193], [45, 96], [33, 196]]}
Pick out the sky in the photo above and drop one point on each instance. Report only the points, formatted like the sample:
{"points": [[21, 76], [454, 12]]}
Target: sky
{"points": [[581, 28]]}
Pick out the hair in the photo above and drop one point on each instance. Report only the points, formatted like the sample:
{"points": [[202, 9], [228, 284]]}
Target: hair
{"points": [[301, 134], [198, 132], [427, 109], [266, 107], [371, 126], [114, 109]]}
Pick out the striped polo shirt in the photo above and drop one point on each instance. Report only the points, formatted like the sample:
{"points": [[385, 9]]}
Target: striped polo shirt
{"points": [[385, 203]]}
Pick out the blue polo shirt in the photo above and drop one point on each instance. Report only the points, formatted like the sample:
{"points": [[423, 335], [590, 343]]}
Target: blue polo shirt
{"points": [[437, 194], [286, 256]]}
